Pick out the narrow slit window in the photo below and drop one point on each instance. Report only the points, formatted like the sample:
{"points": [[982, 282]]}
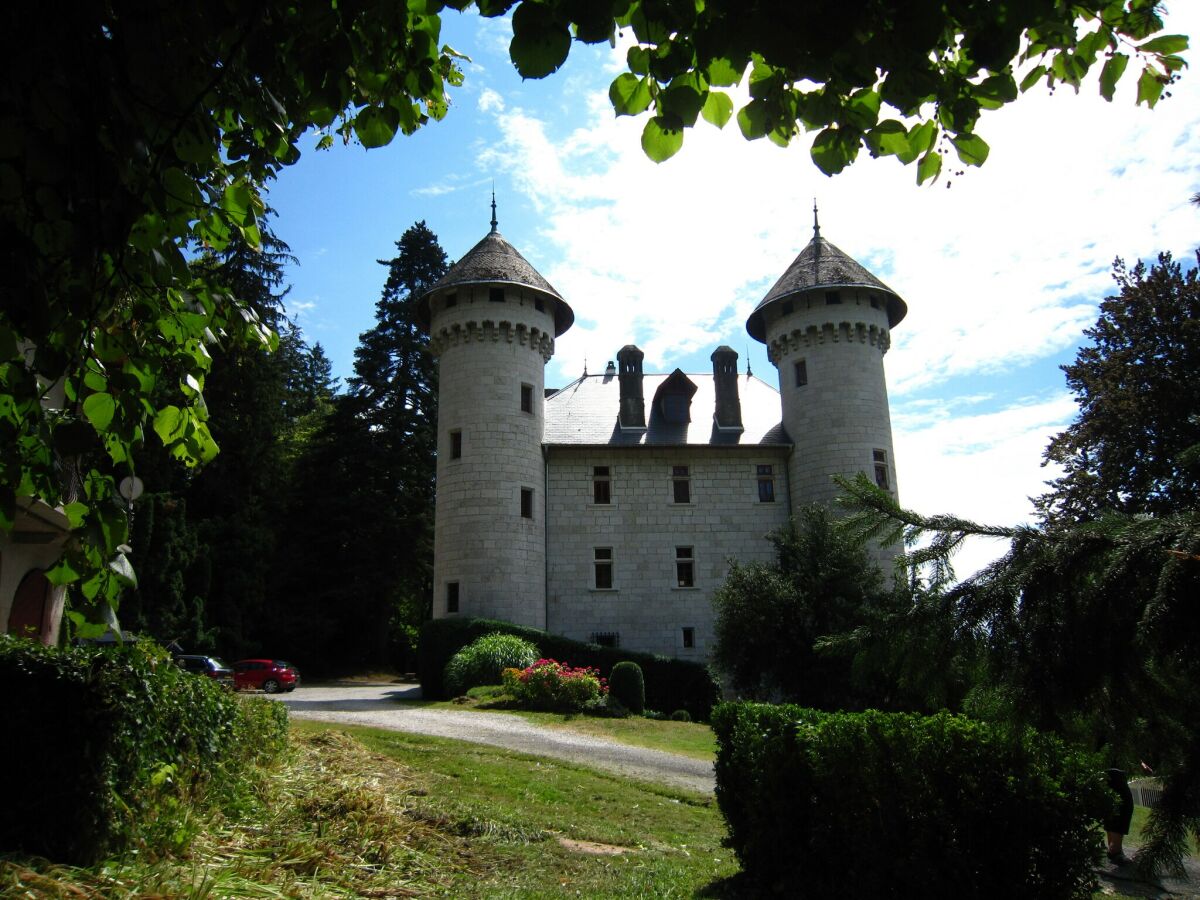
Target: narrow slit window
{"points": [[681, 484], [456, 445], [881, 469], [766, 484], [527, 398], [685, 567], [452, 596], [801, 370], [526, 503], [689, 638], [603, 568], [601, 485]]}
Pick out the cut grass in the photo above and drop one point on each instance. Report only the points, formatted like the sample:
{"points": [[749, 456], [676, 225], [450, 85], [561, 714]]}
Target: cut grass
{"points": [[387, 815], [693, 739]]}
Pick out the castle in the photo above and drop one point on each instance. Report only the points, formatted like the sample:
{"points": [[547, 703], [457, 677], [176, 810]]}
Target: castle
{"points": [[608, 510]]}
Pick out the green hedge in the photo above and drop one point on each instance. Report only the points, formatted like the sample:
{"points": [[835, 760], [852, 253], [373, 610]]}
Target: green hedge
{"points": [[670, 683], [111, 748], [896, 805]]}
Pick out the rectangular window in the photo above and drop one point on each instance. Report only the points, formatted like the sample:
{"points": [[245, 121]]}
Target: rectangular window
{"points": [[496, 295], [881, 469], [832, 298], [689, 638], [874, 302], [456, 445], [682, 485], [601, 485], [539, 304], [451, 301], [685, 567], [766, 484], [451, 596], [526, 503], [603, 566], [607, 638], [527, 398], [801, 369], [786, 308]]}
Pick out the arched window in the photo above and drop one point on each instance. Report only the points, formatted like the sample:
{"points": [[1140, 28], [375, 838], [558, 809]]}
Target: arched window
{"points": [[27, 618]]}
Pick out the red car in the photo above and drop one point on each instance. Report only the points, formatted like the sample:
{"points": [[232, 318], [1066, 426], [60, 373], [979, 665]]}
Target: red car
{"points": [[269, 675]]}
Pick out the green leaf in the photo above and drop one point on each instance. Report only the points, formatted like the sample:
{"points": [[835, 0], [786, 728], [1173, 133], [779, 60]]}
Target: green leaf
{"points": [[376, 126], [540, 42], [830, 151], [722, 72], [682, 102], [921, 137], [752, 119], [890, 138], [121, 567], [972, 149], [1167, 43], [929, 167], [629, 94], [99, 409], [1150, 87], [661, 139], [169, 424], [63, 572], [638, 60], [1113, 69], [238, 203], [717, 109], [1034, 76]]}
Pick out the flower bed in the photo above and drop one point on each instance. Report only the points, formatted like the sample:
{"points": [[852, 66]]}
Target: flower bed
{"points": [[551, 685]]}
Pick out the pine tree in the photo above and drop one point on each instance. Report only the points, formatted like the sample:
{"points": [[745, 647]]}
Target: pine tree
{"points": [[1135, 447]]}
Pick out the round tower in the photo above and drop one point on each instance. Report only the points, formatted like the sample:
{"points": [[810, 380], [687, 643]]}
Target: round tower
{"points": [[827, 324], [492, 322]]}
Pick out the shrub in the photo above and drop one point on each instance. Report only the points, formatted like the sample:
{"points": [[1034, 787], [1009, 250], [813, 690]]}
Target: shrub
{"points": [[626, 683], [556, 686], [680, 715], [670, 683], [482, 661], [896, 805], [117, 746]]}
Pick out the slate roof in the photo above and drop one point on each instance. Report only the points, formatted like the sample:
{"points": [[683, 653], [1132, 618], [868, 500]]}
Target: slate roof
{"points": [[822, 265], [584, 413], [495, 261]]}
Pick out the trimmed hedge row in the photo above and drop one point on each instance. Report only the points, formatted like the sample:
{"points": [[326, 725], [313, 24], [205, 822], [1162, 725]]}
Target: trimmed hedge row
{"points": [[107, 748], [671, 684], [897, 805]]}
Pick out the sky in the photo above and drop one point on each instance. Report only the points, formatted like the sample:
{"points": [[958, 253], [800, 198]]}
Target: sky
{"points": [[1002, 266]]}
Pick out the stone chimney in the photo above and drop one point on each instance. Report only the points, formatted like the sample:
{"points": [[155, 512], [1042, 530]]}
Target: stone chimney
{"points": [[728, 414], [629, 371]]}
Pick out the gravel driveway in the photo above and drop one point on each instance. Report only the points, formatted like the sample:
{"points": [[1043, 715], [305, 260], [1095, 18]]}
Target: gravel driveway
{"points": [[376, 705]]}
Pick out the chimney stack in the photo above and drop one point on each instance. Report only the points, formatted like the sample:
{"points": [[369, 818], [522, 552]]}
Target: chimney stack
{"points": [[728, 414], [633, 406]]}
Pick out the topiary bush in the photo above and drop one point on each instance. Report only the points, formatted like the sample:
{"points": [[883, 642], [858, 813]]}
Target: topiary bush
{"points": [[680, 715], [117, 747], [670, 683], [482, 661], [896, 805], [627, 684]]}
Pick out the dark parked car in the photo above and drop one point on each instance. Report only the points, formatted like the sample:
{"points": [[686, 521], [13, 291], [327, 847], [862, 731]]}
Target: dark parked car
{"points": [[211, 666], [270, 675]]}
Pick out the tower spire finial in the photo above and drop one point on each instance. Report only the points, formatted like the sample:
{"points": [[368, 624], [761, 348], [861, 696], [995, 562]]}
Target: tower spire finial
{"points": [[494, 223], [816, 222]]}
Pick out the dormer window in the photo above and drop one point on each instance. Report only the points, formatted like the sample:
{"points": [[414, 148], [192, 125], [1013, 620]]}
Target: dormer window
{"points": [[673, 399]]}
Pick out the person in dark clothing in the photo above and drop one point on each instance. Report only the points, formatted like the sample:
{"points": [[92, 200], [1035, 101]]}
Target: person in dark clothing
{"points": [[1117, 826]]}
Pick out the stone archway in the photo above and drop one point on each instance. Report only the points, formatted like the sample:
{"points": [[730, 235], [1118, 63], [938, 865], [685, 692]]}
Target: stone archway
{"points": [[28, 616]]}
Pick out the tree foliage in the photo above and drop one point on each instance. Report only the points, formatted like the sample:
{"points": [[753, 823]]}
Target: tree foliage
{"points": [[770, 618], [906, 80], [1135, 447]]}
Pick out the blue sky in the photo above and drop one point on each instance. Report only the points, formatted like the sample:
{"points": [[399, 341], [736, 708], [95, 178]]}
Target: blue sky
{"points": [[1002, 267]]}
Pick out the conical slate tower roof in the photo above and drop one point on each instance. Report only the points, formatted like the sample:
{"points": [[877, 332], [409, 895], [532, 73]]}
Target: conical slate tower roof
{"points": [[495, 261], [821, 265]]}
